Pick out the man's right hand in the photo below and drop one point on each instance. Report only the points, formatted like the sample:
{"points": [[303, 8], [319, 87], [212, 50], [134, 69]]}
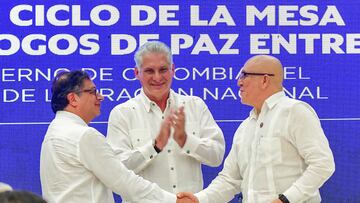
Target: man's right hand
{"points": [[164, 134]]}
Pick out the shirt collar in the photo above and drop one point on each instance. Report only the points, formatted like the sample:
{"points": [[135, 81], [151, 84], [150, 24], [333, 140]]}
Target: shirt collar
{"points": [[274, 99], [70, 116], [253, 114], [148, 104], [268, 104]]}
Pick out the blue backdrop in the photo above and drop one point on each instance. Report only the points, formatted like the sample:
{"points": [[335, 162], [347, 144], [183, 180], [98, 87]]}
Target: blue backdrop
{"points": [[318, 43]]}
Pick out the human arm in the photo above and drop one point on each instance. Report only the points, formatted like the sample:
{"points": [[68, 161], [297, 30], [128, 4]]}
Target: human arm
{"points": [[228, 182], [204, 138], [306, 134], [133, 147], [98, 157]]}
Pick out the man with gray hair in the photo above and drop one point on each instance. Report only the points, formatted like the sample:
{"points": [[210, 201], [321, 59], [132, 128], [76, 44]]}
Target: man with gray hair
{"points": [[161, 135]]}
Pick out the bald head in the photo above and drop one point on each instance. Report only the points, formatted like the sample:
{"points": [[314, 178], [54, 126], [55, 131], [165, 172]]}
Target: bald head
{"points": [[266, 64]]}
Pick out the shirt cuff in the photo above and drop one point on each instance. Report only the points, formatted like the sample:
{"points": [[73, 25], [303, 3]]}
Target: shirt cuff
{"points": [[293, 194], [148, 151], [202, 197], [191, 144], [169, 197]]}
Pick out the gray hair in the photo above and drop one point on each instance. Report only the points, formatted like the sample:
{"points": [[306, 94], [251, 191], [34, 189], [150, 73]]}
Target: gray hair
{"points": [[152, 47]]}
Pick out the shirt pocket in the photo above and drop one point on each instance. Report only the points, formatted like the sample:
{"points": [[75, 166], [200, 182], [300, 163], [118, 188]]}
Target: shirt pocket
{"points": [[270, 150], [139, 137]]}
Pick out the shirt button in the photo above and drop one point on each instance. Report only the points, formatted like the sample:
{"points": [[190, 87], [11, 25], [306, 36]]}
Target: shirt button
{"points": [[261, 124], [138, 140], [151, 156], [174, 186], [153, 104], [169, 150], [188, 151], [193, 133], [172, 168], [162, 117]]}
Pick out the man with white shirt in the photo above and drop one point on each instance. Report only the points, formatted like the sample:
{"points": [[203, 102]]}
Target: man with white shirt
{"points": [[76, 163], [279, 153], [161, 135]]}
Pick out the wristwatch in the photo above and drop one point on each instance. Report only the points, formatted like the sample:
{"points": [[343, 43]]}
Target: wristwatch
{"points": [[283, 198], [156, 148]]}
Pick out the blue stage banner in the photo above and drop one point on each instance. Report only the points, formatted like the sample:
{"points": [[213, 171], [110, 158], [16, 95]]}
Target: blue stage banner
{"points": [[318, 43]]}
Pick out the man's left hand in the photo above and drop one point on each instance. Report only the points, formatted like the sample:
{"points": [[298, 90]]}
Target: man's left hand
{"points": [[178, 123]]}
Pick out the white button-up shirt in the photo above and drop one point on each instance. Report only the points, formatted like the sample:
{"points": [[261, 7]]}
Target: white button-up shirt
{"points": [[281, 150], [134, 125], [77, 165]]}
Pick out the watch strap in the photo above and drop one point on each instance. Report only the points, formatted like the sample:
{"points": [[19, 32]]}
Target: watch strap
{"points": [[283, 198]]}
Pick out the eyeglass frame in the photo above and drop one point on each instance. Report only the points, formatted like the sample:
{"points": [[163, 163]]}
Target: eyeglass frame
{"points": [[244, 74], [93, 91]]}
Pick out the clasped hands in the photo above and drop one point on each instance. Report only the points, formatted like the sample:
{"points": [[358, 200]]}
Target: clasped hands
{"points": [[186, 197]]}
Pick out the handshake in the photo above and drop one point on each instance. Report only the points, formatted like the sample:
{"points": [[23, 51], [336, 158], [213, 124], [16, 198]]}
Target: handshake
{"points": [[186, 197]]}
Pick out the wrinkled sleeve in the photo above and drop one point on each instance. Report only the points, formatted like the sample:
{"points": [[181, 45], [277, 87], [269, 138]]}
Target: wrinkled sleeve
{"points": [[98, 157], [206, 141], [228, 182], [118, 136], [307, 135]]}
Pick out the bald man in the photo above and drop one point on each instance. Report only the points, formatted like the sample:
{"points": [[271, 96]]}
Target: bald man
{"points": [[279, 153]]}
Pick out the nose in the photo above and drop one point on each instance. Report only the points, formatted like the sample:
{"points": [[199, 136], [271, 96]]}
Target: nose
{"points": [[99, 96], [157, 76], [240, 82]]}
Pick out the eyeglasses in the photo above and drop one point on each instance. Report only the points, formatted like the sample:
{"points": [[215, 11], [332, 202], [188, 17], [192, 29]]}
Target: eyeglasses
{"points": [[244, 74], [92, 91]]}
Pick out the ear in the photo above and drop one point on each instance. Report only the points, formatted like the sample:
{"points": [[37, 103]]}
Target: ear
{"points": [[265, 83], [136, 72], [72, 99]]}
